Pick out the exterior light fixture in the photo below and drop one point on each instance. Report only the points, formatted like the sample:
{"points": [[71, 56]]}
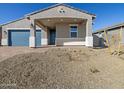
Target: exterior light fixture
{"points": [[5, 32]]}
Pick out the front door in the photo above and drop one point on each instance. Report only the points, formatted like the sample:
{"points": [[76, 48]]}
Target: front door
{"points": [[52, 36]]}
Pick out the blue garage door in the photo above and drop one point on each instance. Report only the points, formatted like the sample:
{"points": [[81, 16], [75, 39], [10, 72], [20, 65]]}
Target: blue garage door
{"points": [[21, 37]]}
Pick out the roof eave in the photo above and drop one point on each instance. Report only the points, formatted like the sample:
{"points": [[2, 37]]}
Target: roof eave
{"points": [[109, 28], [12, 21]]}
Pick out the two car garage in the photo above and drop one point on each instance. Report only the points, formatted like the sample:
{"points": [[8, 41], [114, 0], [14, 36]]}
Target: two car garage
{"points": [[21, 37]]}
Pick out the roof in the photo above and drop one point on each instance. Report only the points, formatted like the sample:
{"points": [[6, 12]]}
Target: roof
{"points": [[12, 21], [61, 4], [109, 28], [50, 8]]}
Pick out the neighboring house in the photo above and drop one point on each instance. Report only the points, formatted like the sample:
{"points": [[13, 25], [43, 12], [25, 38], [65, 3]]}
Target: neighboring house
{"points": [[100, 39], [56, 25]]}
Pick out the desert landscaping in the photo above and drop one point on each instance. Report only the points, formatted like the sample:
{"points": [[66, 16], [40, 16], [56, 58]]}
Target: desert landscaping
{"points": [[60, 67]]}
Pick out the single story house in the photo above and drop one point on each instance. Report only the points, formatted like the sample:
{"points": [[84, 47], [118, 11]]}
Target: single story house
{"points": [[59, 24], [99, 36]]}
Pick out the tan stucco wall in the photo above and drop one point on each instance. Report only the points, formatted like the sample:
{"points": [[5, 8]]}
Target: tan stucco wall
{"points": [[63, 30], [63, 33], [82, 30], [20, 24]]}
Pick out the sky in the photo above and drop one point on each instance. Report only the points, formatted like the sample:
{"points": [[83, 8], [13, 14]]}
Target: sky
{"points": [[106, 14]]}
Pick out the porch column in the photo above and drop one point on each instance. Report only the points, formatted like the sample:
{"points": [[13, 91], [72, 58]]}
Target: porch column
{"points": [[44, 36], [32, 34], [4, 39], [89, 37]]}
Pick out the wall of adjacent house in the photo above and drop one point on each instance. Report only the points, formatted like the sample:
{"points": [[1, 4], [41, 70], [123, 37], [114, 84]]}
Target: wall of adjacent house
{"points": [[63, 33], [97, 41], [116, 32]]}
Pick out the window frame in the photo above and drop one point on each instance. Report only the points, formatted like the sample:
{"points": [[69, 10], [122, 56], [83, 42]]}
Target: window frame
{"points": [[71, 32]]}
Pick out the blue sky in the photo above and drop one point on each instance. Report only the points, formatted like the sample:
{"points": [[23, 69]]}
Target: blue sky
{"points": [[106, 14]]}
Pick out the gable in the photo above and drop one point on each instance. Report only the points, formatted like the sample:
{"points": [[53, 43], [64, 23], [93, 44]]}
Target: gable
{"points": [[60, 11]]}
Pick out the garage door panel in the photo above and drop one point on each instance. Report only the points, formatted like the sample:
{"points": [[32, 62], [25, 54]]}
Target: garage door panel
{"points": [[38, 38], [21, 37]]}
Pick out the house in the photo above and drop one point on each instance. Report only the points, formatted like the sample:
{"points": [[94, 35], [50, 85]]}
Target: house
{"points": [[59, 24], [99, 36]]}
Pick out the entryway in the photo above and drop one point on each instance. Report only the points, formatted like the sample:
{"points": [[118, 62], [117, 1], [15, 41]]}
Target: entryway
{"points": [[52, 36]]}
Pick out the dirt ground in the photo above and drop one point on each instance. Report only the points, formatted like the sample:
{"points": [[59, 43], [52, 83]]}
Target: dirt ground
{"points": [[60, 67]]}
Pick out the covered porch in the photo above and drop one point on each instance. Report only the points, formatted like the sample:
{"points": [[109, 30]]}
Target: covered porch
{"points": [[61, 31]]}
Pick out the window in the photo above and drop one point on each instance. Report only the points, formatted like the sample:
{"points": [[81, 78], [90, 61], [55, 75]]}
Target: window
{"points": [[73, 31]]}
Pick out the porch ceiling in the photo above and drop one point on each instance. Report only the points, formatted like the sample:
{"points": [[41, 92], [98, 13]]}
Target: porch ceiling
{"points": [[51, 22]]}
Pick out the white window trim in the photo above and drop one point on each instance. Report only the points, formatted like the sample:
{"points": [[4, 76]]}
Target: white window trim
{"points": [[70, 30], [73, 24]]}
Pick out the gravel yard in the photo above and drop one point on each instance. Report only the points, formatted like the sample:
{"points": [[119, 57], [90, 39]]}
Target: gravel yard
{"points": [[60, 67], [6, 52]]}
